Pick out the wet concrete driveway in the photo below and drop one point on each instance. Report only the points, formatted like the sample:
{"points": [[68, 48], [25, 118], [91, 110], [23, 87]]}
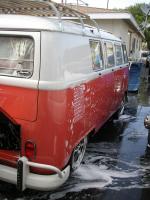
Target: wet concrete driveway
{"points": [[116, 165]]}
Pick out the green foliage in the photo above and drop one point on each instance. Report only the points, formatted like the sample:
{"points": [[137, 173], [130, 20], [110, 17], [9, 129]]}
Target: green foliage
{"points": [[140, 17], [137, 12]]}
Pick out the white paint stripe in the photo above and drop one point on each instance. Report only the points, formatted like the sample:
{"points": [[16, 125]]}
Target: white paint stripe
{"points": [[19, 82]]}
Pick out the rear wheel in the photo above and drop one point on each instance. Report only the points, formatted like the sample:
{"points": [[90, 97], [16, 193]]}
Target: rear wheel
{"points": [[120, 111], [78, 154]]}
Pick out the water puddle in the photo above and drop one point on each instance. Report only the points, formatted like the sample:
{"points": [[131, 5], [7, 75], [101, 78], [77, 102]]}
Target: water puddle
{"points": [[117, 164]]}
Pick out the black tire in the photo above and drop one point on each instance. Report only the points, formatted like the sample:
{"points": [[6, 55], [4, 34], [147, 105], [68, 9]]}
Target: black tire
{"points": [[120, 111]]}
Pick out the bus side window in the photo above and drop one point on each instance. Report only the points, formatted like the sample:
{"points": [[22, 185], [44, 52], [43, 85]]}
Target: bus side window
{"points": [[110, 55], [125, 53], [97, 56], [118, 54]]}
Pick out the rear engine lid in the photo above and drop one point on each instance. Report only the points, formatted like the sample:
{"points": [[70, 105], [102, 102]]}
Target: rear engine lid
{"points": [[10, 140]]}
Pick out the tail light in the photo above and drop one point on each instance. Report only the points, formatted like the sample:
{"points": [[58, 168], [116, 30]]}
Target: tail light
{"points": [[30, 149]]}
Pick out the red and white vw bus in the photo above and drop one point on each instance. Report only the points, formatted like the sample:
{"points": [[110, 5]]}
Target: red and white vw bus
{"points": [[57, 85]]}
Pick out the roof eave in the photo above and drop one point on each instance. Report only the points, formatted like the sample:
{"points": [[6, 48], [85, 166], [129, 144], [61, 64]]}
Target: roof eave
{"points": [[125, 16]]}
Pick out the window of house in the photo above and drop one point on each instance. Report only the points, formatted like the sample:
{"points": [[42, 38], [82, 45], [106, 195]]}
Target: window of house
{"points": [[118, 54], [133, 45], [110, 55], [97, 56], [16, 56], [125, 53]]}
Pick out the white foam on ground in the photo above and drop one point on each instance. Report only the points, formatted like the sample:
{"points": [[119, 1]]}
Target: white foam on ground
{"points": [[125, 118], [93, 172], [86, 177], [107, 158], [92, 176]]}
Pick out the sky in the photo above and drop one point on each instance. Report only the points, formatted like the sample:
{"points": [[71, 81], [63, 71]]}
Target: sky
{"points": [[112, 3]]}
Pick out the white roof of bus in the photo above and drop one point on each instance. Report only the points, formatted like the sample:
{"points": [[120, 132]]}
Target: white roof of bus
{"points": [[23, 22]]}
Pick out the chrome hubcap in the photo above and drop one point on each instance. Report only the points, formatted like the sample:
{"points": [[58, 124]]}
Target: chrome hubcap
{"points": [[78, 154]]}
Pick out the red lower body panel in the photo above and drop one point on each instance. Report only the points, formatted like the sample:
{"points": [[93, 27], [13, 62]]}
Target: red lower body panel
{"points": [[9, 157], [64, 117]]}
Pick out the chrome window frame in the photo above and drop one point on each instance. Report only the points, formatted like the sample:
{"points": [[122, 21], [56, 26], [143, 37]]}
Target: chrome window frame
{"points": [[25, 37], [101, 51], [31, 82], [105, 46], [120, 45]]}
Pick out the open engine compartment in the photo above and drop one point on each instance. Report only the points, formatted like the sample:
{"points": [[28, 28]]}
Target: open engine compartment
{"points": [[9, 134]]}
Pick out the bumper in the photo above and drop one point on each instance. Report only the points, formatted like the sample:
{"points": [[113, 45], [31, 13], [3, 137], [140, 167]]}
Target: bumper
{"points": [[24, 179]]}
